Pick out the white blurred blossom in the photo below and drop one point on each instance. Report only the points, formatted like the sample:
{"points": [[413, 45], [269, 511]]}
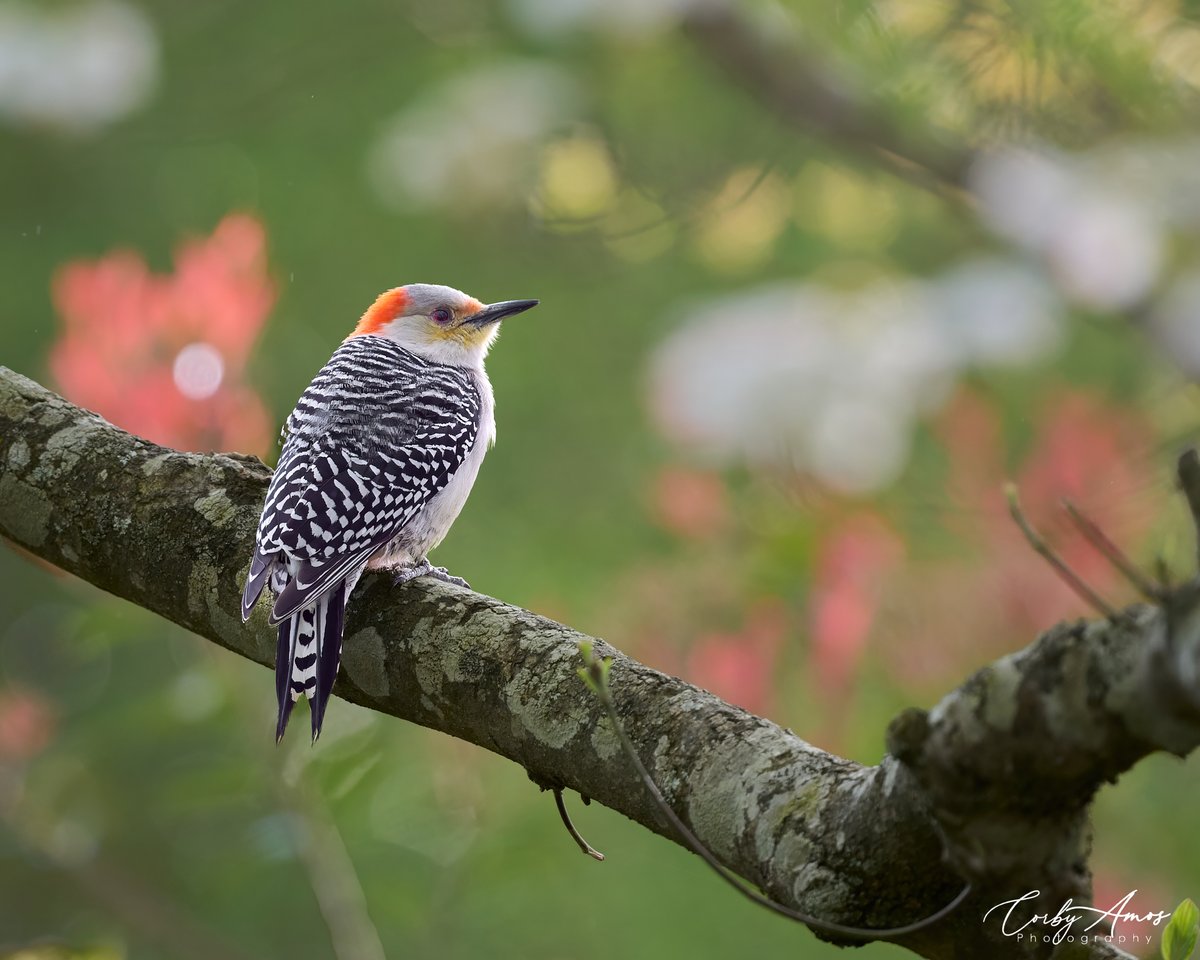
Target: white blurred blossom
{"points": [[1022, 194], [1101, 238], [474, 140], [1106, 251], [833, 383], [1175, 323], [998, 312], [1161, 175], [857, 445], [77, 67], [198, 370]]}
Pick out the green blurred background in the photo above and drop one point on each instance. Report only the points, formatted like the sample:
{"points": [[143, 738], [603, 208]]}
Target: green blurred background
{"points": [[755, 435]]}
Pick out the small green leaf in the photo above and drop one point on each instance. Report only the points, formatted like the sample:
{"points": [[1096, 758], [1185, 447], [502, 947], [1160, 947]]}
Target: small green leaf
{"points": [[1179, 938], [594, 672], [586, 677], [588, 672]]}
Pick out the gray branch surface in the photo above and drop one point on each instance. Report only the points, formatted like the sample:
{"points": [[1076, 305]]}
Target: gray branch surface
{"points": [[992, 785]]}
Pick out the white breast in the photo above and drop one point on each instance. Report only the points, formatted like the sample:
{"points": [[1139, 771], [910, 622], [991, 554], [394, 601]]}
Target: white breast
{"points": [[428, 528]]}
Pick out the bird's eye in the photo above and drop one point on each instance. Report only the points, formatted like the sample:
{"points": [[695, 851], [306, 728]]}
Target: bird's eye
{"points": [[440, 315]]}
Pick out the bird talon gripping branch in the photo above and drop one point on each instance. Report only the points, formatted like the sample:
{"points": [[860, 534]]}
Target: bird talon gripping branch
{"points": [[441, 573], [382, 450], [423, 568]]}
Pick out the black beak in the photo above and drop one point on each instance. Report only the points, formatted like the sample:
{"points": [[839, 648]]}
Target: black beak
{"points": [[498, 311]]}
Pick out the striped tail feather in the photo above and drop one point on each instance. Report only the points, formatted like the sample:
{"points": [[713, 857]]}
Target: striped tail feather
{"points": [[331, 619], [295, 659], [283, 673], [307, 658]]}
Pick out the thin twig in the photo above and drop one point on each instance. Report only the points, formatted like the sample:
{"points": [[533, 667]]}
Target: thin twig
{"points": [[575, 835], [595, 675], [1111, 552], [327, 864], [1189, 480], [335, 884], [1043, 549], [1163, 572]]}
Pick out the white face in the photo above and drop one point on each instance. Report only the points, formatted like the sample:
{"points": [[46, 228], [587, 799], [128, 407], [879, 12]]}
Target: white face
{"points": [[432, 321], [439, 323]]}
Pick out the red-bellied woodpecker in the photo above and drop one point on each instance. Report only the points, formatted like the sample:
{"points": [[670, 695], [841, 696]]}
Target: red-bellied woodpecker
{"points": [[380, 454]]}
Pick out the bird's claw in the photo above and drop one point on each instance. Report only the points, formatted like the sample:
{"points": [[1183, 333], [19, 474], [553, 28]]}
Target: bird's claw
{"points": [[425, 569], [441, 573]]}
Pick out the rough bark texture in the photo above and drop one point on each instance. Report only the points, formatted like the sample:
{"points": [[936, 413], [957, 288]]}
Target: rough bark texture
{"points": [[991, 785]]}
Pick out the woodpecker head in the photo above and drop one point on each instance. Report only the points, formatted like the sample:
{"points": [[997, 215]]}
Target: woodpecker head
{"points": [[439, 323]]}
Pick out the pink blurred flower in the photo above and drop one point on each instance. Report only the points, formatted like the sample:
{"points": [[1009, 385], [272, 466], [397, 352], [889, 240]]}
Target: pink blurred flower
{"points": [[851, 571], [27, 724], [165, 356], [1098, 457], [996, 593], [690, 503], [1110, 888], [740, 667]]}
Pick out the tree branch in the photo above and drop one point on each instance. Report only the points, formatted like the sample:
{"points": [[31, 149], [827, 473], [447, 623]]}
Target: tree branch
{"points": [[992, 785], [818, 97]]}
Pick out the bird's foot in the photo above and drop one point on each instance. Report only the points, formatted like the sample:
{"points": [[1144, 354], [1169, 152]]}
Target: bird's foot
{"points": [[441, 573], [423, 568]]}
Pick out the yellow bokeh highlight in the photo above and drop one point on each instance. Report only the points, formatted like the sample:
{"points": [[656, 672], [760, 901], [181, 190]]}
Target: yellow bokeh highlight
{"points": [[854, 212], [740, 227], [54, 951], [576, 179], [1145, 18], [994, 71], [916, 18], [1179, 53]]}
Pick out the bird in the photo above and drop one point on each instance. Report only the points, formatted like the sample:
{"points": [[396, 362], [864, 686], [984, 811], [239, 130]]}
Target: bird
{"points": [[378, 458]]}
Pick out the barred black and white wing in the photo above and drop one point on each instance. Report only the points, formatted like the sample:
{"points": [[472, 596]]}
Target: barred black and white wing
{"points": [[375, 437]]}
